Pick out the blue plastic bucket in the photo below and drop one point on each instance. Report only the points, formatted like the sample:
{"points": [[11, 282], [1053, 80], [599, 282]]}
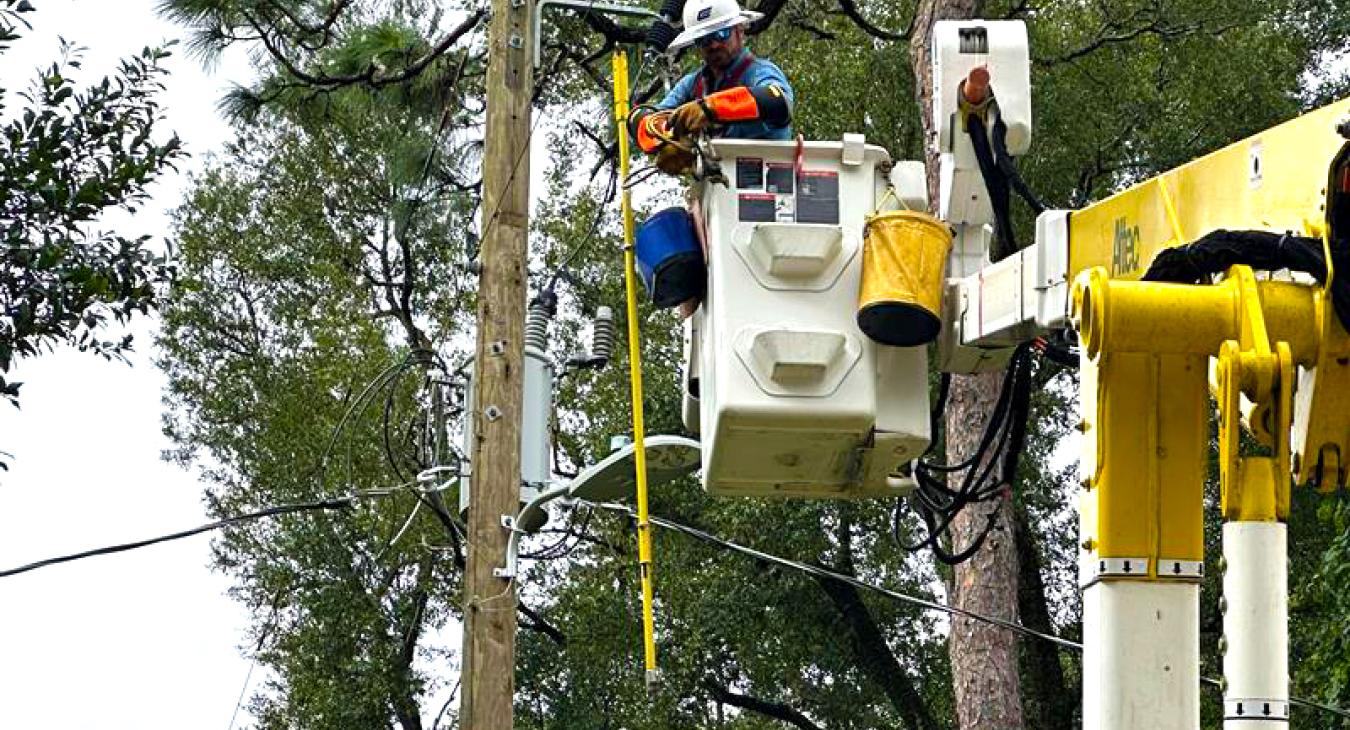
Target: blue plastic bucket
{"points": [[669, 258]]}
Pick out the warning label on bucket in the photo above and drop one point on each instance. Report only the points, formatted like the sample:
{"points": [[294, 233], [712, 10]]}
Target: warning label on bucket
{"points": [[756, 207], [818, 197], [749, 173]]}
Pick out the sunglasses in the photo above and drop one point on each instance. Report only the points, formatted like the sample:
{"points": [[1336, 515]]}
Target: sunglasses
{"points": [[718, 36]]}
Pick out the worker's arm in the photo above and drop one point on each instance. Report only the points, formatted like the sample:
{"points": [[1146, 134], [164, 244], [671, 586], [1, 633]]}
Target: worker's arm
{"points": [[650, 126], [766, 98]]}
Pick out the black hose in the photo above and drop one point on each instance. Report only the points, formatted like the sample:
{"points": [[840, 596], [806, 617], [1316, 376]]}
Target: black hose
{"points": [[988, 471], [1214, 252], [996, 184], [1008, 167]]}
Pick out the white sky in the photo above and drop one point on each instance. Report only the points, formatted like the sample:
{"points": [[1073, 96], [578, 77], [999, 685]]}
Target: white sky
{"points": [[145, 639]]}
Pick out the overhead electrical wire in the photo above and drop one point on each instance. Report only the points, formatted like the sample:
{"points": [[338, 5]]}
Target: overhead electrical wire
{"points": [[333, 503], [820, 572]]}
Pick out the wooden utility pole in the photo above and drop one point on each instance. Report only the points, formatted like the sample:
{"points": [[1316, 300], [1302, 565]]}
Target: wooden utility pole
{"points": [[488, 661], [984, 658]]}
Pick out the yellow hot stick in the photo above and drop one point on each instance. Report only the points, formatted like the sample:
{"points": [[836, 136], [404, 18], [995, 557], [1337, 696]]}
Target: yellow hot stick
{"points": [[635, 370]]}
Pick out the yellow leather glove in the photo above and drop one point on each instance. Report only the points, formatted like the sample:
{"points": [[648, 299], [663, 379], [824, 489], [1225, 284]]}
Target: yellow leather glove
{"points": [[674, 160], [689, 119]]}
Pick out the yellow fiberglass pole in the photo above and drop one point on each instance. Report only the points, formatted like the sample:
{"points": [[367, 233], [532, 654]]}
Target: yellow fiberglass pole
{"points": [[635, 370]]}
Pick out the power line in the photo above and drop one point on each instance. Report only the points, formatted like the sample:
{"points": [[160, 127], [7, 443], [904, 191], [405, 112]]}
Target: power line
{"points": [[818, 571], [242, 692], [320, 505]]}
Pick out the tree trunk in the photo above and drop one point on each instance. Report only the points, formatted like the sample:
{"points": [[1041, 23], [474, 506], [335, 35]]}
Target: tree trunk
{"points": [[1049, 703], [984, 658]]}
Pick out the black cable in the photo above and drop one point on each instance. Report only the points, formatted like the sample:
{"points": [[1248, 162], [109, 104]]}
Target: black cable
{"points": [[851, 580], [988, 471], [1009, 168], [1217, 250], [327, 504], [560, 549], [561, 268], [996, 185], [413, 358]]}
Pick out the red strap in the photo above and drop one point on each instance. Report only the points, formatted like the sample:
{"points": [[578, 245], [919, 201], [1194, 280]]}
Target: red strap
{"points": [[799, 158], [730, 80]]}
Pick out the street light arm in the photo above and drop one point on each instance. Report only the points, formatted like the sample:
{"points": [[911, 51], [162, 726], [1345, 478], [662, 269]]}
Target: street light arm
{"points": [[514, 525]]}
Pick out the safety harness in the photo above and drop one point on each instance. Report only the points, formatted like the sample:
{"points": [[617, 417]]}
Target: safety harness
{"points": [[732, 79]]}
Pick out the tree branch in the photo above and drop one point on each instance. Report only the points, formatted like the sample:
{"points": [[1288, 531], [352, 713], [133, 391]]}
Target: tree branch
{"points": [[770, 9], [538, 623], [1155, 27], [371, 75], [776, 710], [850, 8], [820, 34], [875, 658]]}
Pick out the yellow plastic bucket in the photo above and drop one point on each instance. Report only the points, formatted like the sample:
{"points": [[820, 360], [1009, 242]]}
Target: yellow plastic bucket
{"points": [[900, 298]]}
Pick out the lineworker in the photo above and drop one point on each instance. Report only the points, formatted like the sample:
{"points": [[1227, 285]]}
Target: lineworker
{"points": [[734, 94]]}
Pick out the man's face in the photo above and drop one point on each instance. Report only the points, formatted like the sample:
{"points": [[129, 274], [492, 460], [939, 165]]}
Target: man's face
{"points": [[718, 53]]}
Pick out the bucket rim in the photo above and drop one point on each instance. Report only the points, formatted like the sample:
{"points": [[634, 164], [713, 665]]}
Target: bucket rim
{"points": [[915, 216], [664, 212]]}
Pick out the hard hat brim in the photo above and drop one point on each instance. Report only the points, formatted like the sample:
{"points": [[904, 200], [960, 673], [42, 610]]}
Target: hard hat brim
{"points": [[689, 35]]}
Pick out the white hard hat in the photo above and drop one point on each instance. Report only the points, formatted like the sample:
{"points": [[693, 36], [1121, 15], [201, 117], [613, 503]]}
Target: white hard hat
{"points": [[702, 17]]}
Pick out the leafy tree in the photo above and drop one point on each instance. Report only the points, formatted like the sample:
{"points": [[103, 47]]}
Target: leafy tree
{"points": [[68, 156], [331, 241]]}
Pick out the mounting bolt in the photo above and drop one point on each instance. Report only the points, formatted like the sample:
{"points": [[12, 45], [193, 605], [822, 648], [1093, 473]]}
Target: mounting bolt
{"points": [[497, 349], [516, 41], [492, 413]]}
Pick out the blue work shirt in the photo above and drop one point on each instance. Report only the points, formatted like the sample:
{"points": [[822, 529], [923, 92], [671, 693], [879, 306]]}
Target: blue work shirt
{"points": [[759, 73]]}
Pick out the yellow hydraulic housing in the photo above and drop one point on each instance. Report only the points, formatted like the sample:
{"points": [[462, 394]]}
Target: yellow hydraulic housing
{"points": [[1280, 354], [1145, 381]]}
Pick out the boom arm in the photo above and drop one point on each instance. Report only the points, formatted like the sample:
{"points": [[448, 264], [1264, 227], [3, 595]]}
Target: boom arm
{"points": [[1274, 352], [1275, 181]]}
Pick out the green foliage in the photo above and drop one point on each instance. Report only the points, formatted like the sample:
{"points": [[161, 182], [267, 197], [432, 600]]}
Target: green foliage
{"points": [[296, 246], [1320, 601], [66, 157], [328, 242]]}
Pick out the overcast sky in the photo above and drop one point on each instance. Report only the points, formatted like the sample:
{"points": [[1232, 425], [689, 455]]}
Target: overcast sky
{"points": [[145, 639]]}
